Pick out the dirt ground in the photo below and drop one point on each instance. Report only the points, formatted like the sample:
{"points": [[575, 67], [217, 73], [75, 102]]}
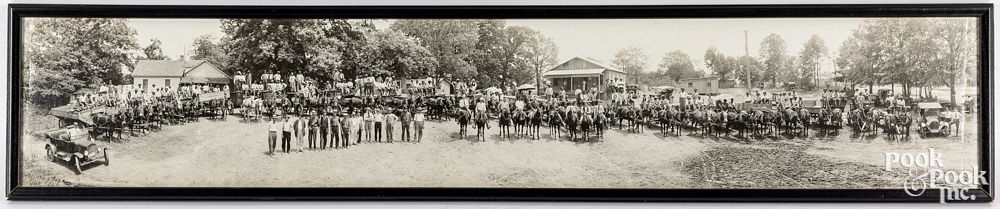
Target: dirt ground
{"points": [[231, 153]]}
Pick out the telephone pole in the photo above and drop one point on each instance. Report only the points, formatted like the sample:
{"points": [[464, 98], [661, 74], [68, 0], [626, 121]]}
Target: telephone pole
{"points": [[746, 51]]}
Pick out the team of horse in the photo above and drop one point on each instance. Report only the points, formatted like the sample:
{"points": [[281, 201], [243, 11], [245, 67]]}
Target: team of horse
{"points": [[137, 119]]}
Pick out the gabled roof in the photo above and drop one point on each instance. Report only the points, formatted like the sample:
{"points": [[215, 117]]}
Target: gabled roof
{"points": [[573, 72], [702, 78], [592, 61], [164, 68]]}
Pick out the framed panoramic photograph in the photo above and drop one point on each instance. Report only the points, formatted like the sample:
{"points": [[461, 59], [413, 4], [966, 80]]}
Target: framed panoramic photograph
{"points": [[805, 103]]}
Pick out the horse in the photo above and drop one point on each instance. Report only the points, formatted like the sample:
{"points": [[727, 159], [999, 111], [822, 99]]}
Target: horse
{"points": [[105, 123], [520, 121], [505, 121], [599, 124], [639, 117], [536, 123], [805, 121], [463, 122], [555, 124], [571, 123], [585, 124], [482, 123], [663, 118]]}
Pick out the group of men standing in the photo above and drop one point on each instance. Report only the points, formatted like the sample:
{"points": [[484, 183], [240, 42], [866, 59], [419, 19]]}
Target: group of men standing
{"points": [[312, 130]]}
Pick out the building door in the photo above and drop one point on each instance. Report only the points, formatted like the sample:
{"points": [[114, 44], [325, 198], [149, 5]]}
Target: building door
{"points": [[145, 84]]}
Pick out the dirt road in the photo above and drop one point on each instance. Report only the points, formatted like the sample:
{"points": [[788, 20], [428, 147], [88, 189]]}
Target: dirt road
{"points": [[231, 153]]}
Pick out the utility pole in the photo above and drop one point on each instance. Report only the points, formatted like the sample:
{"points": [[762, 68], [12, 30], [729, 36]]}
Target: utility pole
{"points": [[746, 51]]}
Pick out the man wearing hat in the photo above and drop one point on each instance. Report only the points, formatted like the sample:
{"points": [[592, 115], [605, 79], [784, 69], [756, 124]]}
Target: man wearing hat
{"points": [[418, 125], [324, 129], [378, 117], [404, 124], [368, 117], [390, 119]]}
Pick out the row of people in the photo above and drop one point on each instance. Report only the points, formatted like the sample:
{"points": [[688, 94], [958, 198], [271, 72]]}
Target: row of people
{"points": [[330, 129]]}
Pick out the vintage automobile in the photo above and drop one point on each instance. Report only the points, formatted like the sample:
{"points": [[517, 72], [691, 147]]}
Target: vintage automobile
{"points": [[931, 121], [76, 149]]}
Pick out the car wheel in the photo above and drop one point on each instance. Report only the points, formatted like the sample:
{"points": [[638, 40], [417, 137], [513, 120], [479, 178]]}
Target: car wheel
{"points": [[50, 153], [76, 165]]}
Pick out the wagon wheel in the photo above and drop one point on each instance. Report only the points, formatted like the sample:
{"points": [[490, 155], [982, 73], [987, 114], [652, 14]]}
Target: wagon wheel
{"points": [[107, 161], [76, 165]]}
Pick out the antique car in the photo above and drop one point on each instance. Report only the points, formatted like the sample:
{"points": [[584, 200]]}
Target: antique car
{"points": [[72, 145], [931, 120]]}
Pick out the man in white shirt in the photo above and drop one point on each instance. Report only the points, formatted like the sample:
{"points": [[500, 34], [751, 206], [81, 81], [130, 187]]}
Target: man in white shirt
{"points": [[463, 103], [418, 125], [481, 106], [272, 136], [286, 135]]}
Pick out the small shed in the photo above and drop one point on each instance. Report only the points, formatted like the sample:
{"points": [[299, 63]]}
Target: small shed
{"points": [[703, 85]]}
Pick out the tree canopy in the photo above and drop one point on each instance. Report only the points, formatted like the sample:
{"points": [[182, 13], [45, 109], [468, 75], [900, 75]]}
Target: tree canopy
{"points": [[67, 54], [677, 65], [632, 60]]}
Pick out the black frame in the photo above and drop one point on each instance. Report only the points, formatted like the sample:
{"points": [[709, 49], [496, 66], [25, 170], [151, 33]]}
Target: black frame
{"points": [[17, 11]]}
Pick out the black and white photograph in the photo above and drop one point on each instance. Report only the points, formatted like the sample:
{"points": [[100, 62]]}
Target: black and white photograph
{"points": [[607, 103]]}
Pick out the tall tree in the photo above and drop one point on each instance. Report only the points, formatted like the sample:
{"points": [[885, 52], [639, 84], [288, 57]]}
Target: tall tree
{"points": [[632, 60], [749, 69], [393, 53], [451, 41], [956, 39], [153, 51], [493, 56], [677, 65], [720, 64], [809, 60], [206, 47], [772, 54], [67, 54], [539, 52], [311, 47], [891, 51]]}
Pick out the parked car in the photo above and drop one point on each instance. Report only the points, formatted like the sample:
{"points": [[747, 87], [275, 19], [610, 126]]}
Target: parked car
{"points": [[931, 121], [73, 145]]}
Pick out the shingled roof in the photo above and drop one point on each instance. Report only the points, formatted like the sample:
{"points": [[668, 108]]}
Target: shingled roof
{"points": [[164, 68]]}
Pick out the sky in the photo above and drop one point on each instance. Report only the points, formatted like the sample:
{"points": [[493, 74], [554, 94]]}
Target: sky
{"points": [[595, 38]]}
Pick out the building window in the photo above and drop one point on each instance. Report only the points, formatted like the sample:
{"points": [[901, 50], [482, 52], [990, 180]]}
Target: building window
{"points": [[166, 83], [145, 83], [708, 84], [690, 85]]}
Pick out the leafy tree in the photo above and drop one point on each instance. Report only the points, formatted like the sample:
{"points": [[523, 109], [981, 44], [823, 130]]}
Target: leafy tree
{"points": [[632, 60], [207, 48], [772, 54], [452, 42], [539, 51], [910, 52], [749, 69], [677, 65], [286, 46], [390, 52], [956, 39], [153, 51], [809, 59], [494, 56], [67, 54], [720, 64]]}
